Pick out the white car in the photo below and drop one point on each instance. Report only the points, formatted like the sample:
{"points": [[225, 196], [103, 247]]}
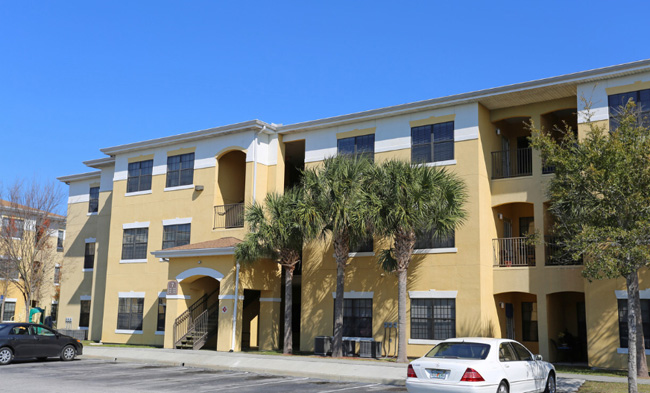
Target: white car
{"points": [[480, 365]]}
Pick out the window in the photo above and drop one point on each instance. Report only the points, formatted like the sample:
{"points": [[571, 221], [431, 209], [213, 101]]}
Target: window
{"points": [[522, 353], [365, 245], [433, 319], [162, 305], [13, 226], [84, 314], [176, 235], [89, 256], [9, 311], [129, 313], [622, 321], [59, 240], [54, 311], [363, 145], [139, 178], [134, 243], [506, 353], [57, 274], [357, 318], [430, 239], [8, 269], [93, 202], [529, 321], [180, 170], [432, 143], [642, 100]]}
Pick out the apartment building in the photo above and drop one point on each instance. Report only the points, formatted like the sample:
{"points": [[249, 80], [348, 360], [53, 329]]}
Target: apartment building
{"points": [[20, 224], [153, 228]]}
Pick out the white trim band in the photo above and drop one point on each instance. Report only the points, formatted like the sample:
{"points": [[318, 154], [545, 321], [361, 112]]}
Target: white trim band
{"points": [[123, 331], [177, 221], [135, 193], [433, 294], [85, 297], [230, 297], [416, 341], [133, 261], [185, 187], [135, 225], [270, 299], [84, 270], [139, 295], [162, 294], [182, 297], [643, 294], [90, 240], [159, 333], [449, 250], [625, 351], [355, 295]]}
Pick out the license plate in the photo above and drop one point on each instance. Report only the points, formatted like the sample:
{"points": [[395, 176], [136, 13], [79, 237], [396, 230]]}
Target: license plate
{"points": [[438, 374]]}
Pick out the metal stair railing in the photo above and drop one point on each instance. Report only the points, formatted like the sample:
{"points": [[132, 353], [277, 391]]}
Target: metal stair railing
{"points": [[185, 324], [203, 329]]}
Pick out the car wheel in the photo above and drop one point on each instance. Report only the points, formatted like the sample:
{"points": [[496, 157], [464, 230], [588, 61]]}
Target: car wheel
{"points": [[68, 353], [503, 387], [6, 355], [550, 384]]}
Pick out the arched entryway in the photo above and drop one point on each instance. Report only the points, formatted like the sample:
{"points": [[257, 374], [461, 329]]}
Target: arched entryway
{"points": [[518, 318], [197, 326]]}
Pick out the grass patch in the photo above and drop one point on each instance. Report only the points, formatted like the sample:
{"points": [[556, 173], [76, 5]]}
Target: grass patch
{"points": [[590, 371], [608, 387]]}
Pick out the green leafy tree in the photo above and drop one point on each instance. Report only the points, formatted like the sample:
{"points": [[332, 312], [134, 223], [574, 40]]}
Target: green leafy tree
{"points": [[276, 232], [600, 199], [336, 206], [413, 199]]}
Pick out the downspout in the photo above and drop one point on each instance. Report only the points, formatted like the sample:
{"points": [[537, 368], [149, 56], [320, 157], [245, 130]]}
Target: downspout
{"points": [[234, 312]]}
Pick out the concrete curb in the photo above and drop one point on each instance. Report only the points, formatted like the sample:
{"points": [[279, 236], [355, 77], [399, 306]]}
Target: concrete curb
{"points": [[338, 370]]}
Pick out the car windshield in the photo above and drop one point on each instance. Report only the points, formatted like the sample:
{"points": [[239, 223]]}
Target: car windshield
{"points": [[459, 350]]}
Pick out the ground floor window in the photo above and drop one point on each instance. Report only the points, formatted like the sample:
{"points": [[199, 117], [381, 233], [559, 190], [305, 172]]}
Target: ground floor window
{"points": [[529, 321], [433, 319], [357, 318], [84, 314], [622, 321], [162, 305], [129, 313], [9, 311]]}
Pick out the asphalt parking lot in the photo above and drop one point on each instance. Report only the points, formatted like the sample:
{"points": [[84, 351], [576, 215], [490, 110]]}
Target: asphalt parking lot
{"points": [[84, 375]]}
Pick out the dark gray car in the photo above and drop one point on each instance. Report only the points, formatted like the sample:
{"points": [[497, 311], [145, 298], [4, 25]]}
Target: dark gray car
{"points": [[31, 340]]}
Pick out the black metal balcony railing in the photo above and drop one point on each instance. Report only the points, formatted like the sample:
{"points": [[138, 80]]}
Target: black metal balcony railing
{"points": [[556, 253], [505, 164], [513, 251], [546, 169], [229, 216]]}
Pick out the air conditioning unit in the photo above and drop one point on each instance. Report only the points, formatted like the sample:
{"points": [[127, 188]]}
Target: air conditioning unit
{"points": [[370, 349], [323, 345]]}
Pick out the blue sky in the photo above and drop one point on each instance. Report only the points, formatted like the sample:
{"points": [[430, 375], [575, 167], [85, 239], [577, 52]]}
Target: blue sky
{"points": [[76, 76]]}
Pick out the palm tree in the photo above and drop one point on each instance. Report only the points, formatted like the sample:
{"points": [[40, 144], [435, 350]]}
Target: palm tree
{"points": [[335, 206], [413, 199], [276, 232]]}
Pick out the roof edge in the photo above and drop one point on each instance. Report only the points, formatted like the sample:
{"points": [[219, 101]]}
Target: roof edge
{"points": [[469, 97], [100, 162], [187, 137], [79, 177]]}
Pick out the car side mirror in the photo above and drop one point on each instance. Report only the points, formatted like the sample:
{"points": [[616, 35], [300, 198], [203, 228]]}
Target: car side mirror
{"points": [[538, 357]]}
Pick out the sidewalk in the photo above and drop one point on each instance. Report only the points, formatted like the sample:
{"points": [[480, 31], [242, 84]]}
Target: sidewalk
{"points": [[343, 370]]}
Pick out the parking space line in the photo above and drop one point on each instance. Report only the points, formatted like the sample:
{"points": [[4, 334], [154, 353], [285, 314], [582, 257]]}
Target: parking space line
{"points": [[350, 388], [245, 385]]}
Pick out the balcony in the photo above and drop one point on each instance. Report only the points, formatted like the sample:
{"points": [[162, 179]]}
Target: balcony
{"points": [[556, 254], [229, 216], [505, 164], [513, 251]]}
